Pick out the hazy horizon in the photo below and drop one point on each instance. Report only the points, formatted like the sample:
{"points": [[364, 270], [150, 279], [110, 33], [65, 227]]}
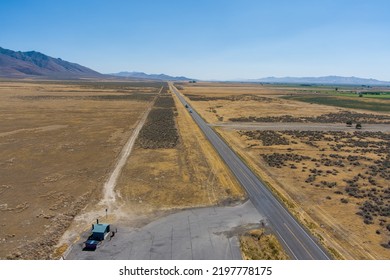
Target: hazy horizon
{"points": [[208, 40]]}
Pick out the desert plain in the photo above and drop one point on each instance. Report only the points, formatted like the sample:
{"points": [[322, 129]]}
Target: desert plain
{"points": [[61, 141], [332, 176]]}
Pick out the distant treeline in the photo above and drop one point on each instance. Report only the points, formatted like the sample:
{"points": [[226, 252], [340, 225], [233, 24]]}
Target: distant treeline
{"points": [[374, 92]]}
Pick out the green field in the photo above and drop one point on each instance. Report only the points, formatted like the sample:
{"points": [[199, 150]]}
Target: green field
{"points": [[353, 102], [343, 91], [380, 95]]}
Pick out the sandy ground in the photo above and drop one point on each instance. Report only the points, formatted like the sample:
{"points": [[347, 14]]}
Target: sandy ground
{"points": [[108, 203], [56, 154]]}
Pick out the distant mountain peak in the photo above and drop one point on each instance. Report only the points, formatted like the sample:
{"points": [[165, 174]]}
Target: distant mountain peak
{"points": [[337, 80], [142, 75]]}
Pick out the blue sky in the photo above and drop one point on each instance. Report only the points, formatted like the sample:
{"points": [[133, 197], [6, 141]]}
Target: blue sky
{"points": [[211, 39]]}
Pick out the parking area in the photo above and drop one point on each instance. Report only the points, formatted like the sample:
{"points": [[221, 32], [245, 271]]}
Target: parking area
{"points": [[200, 234]]}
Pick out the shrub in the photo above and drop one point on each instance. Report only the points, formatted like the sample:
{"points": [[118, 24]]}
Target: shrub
{"points": [[344, 200]]}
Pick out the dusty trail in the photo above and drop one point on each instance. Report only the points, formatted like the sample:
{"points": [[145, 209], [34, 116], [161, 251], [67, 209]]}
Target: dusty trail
{"points": [[109, 186], [108, 201], [35, 129], [109, 196]]}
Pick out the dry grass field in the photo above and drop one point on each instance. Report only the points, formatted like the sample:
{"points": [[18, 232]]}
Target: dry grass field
{"points": [[225, 102], [221, 102], [59, 141], [335, 182], [173, 166], [258, 244]]}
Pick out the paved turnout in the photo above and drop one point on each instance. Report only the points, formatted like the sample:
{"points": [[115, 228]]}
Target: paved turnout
{"points": [[195, 234], [297, 241]]}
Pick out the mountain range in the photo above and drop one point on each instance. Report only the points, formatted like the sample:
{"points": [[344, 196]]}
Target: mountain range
{"points": [[32, 64], [142, 75], [334, 80], [35, 64]]}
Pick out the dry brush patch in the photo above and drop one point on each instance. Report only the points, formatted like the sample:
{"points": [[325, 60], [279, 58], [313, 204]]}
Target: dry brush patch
{"points": [[258, 244], [165, 89], [341, 117], [351, 168], [267, 137], [242, 97], [164, 102], [188, 174], [160, 129]]}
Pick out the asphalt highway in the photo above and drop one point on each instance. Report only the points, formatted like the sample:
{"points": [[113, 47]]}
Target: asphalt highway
{"points": [[299, 243]]}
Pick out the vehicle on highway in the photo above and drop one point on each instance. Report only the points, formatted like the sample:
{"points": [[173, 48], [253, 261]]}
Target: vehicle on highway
{"points": [[299, 243]]}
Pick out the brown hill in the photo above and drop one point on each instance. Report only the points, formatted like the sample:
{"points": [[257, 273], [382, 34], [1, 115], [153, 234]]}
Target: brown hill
{"points": [[35, 64]]}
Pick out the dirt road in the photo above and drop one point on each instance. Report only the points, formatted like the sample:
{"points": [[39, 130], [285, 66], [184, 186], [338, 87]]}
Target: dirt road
{"points": [[109, 186], [109, 196]]}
